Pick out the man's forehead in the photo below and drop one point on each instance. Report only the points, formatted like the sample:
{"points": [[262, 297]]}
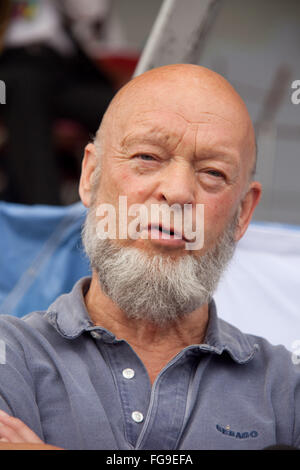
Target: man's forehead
{"points": [[155, 110], [192, 106], [152, 125], [166, 128]]}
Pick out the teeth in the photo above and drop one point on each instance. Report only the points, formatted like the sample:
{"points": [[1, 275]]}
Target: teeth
{"points": [[163, 230]]}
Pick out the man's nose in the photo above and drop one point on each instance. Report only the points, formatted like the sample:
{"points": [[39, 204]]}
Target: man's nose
{"points": [[178, 184]]}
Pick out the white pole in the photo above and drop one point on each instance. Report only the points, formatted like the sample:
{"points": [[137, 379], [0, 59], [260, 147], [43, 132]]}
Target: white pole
{"points": [[178, 33]]}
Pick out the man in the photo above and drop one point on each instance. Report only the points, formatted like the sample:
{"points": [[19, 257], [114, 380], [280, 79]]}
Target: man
{"points": [[135, 357]]}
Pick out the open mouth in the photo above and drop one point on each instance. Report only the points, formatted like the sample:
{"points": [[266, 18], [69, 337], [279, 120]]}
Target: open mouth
{"points": [[170, 232]]}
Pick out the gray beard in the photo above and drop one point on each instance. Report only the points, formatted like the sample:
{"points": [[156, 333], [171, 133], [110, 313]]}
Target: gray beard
{"points": [[156, 288]]}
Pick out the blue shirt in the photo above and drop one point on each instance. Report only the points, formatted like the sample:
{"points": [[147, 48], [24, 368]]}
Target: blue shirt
{"points": [[78, 387]]}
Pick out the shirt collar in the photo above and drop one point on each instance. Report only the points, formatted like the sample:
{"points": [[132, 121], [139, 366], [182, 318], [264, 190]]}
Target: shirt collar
{"points": [[68, 313], [223, 337], [69, 316]]}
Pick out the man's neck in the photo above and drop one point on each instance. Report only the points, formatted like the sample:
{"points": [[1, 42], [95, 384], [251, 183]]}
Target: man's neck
{"points": [[154, 344]]}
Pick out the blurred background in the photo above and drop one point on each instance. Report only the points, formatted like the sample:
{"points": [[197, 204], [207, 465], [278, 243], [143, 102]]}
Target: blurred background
{"points": [[62, 61]]}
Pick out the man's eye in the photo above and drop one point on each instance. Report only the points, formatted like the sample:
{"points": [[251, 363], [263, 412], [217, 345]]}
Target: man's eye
{"points": [[215, 173], [145, 157]]}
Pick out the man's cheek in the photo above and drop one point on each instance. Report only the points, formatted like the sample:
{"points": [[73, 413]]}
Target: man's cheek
{"points": [[215, 221]]}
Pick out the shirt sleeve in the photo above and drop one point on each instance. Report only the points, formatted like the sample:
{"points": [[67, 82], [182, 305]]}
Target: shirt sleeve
{"points": [[17, 393], [296, 432]]}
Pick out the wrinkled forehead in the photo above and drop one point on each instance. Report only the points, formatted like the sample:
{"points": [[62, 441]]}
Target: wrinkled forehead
{"points": [[169, 124], [172, 130], [188, 102]]}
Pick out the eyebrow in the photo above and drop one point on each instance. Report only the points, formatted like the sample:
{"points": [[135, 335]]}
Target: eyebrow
{"points": [[153, 135], [131, 139], [214, 153]]}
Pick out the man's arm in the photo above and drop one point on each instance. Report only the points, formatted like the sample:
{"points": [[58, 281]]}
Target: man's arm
{"points": [[15, 435], [23, 446], [18, 399]]}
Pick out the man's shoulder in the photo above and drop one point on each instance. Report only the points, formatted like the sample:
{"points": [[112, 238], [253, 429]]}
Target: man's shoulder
{"points": [[25, 328], [66, 312]]}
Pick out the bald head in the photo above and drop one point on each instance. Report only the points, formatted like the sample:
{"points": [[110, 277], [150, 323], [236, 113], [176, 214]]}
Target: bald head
{"points": [[191, 91]]}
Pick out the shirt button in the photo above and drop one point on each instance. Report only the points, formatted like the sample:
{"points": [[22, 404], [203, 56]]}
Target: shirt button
{"points": [[137, 416], [95, 334], [128, 373]]}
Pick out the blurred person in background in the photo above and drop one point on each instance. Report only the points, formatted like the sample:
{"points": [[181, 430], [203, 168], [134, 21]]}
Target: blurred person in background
{"points": [[49, 70]]}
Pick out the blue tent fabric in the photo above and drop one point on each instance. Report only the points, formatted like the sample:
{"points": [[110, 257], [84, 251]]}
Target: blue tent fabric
{"points": [[41, 255]]}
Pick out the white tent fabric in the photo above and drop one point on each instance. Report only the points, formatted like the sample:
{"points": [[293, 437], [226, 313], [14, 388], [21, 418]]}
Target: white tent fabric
{"points": [[260, 291]]}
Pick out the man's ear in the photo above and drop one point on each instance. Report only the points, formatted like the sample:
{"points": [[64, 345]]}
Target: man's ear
{"points": [[89, 164], [247, 206]]}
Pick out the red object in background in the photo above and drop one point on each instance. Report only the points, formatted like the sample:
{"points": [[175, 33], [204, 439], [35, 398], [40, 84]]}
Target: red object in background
{"points": [[119, 67]]}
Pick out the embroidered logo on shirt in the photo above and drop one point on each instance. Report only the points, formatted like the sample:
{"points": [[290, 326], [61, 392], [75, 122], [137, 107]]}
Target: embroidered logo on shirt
{"points": [[237, 434]]}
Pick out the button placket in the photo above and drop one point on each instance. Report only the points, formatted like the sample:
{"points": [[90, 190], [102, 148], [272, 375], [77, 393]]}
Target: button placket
{"points": [[133, 386], [160, 420]]}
